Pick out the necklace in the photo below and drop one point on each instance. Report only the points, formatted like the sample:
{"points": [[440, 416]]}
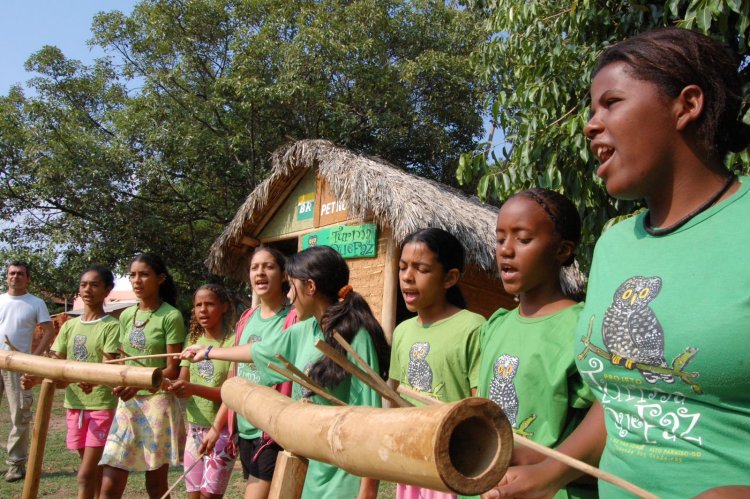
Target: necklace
{"points": [[654, 231], [137, 333]]}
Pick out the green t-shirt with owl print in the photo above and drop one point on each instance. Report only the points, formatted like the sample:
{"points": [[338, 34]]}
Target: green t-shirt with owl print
{"points": [[147, 333], [442, 359], [85, 342], [208, 372], [527, 367], [255, 330], [297, 345], [664, 343]]}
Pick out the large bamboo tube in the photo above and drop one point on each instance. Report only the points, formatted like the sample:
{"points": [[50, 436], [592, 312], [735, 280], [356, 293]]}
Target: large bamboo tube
{"points": [[462, 447], [81, 372]]}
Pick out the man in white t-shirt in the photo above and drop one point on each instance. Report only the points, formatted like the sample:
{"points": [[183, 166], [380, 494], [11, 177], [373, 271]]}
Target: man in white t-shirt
{"points": [[20, 312]]}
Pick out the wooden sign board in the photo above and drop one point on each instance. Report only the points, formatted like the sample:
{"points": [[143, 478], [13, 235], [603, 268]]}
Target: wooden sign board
{"points": [[329, 210], [351, 241]]}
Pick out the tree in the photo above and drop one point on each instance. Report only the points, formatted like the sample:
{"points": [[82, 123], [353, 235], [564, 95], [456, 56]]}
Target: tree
{"points": [[537, 62], [155, 146]]}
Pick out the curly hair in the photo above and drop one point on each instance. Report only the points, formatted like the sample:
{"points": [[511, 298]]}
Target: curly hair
{"points": [[195, 330]]}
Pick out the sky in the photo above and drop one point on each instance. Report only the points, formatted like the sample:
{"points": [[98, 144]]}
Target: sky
{"points": [[27, 26]]}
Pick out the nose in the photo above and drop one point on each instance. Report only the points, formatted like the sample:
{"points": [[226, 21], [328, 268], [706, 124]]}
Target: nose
{"points": [[406, 275], [505, 249], [592, 127]]}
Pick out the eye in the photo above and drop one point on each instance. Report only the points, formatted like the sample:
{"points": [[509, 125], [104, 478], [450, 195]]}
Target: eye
{"points": [[524, 240], [500, 242], [627, 294], [644, 293]]}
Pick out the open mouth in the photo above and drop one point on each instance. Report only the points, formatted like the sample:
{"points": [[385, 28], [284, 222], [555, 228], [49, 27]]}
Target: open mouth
{"points": [[410, 296], [603, 153], [508, 272], [261, 284]]}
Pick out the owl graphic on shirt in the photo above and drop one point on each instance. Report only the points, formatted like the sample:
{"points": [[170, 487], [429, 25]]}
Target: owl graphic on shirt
{"points": [[631, 330], [419, 372], [502, 390]]}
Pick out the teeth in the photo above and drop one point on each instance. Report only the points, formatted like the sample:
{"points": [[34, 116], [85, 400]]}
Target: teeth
{"points": [[603, 152]]}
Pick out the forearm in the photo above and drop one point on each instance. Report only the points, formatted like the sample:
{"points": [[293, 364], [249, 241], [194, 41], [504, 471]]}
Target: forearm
{"points": [[240, 353], [48, 332], [368, 488], [220, 421], [586, 444], [206, 392]]}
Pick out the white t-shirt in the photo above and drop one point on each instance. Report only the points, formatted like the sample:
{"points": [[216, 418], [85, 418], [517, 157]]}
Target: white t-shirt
{"points": [[19, 316]]}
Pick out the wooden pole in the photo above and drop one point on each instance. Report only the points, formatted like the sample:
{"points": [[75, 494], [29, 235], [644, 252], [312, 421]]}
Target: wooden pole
{"points": [[390, 288], [39, 439], [288, 476], [551, 453], [463, 447], [310, 386], [81, 372]]}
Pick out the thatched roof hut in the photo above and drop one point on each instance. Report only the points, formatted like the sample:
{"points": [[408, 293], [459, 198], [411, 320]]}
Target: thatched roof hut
{"points": [[371, 189]]}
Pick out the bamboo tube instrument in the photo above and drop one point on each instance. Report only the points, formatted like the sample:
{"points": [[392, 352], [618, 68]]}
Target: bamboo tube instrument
{"points": [[462, 447], [81, 372]]}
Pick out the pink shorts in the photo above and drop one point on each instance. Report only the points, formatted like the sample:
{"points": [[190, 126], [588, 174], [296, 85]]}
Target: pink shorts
{"points": [[212, 475], [88, 428]]}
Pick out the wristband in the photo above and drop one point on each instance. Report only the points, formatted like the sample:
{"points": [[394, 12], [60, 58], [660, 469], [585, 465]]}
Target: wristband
{"points": [[208, 350]]}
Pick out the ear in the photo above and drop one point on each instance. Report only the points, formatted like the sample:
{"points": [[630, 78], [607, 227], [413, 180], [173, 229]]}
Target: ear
{"points": [[688, 106], [162, 278], [565, 249], [309, 287], [451, 278]]}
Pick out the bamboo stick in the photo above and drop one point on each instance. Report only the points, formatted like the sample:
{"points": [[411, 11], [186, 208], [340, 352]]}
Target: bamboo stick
{"points": [[310, 386], [39, 439], [293, 369], [182, 477], [463, 447], [386, 391], [551, 453], [81, 372], [347, 366], [139, 357]]}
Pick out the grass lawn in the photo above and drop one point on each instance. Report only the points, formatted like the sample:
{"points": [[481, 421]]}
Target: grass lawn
{"points": [[60, 465]]}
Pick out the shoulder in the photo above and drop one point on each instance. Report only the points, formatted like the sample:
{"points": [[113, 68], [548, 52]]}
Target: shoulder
{"points": [[468, 318], [127, 313], [169, 313], [110, 321]]}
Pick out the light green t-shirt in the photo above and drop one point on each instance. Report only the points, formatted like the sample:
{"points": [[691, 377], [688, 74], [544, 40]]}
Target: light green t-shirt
{"points": [[256, 330], [297, 344], [85, 342], [442, 359], [208, 372], [663, 341], [527, 367], [164, 326]]}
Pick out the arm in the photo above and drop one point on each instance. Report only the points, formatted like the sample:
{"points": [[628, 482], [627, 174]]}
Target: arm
{"points": [[240, 353], [728, 492], [209, 440], [48, 331], [368, 488], [586, 443], [172, 371]]}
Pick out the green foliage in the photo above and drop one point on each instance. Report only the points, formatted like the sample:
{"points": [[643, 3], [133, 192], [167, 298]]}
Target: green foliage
{"points": [[537, 62], [155, 147]]}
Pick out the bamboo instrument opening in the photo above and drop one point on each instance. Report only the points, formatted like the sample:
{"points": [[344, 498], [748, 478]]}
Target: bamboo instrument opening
{"points": [[470, 449], [474, 446]]}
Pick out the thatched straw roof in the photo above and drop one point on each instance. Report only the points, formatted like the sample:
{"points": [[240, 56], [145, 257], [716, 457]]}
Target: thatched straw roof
{"points": [[371, 187]]}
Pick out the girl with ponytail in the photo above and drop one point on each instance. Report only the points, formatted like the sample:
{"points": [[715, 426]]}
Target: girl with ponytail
{"points": [[325, 304]]}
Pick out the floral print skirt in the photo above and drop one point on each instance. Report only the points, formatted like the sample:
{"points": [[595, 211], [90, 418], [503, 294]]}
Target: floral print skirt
{"points": [[147, 433]]}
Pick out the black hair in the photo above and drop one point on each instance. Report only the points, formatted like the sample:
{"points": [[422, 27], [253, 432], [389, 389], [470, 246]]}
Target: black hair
{"points": [[330, 273], [673, 58], [280, 260], [561, 211], [104, 273], [195, 330], [449, 252], [167, 289], [567, 223], [21, 263]]}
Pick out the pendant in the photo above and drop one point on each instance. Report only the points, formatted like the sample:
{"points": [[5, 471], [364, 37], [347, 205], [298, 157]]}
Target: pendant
{"points": [[138, 337]]}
